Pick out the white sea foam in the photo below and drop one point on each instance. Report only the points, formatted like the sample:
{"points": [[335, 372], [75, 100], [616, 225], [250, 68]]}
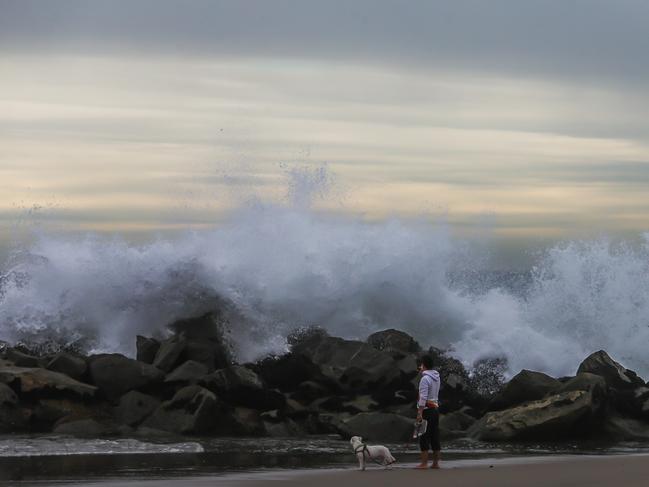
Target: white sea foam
{"points": [[283, 266]]}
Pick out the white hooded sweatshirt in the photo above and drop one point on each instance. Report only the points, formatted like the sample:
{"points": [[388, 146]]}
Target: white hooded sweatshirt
{"points": [[428, 388]]}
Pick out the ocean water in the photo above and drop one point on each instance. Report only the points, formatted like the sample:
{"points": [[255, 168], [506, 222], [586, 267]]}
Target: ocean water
{"points": [[27, 459], [272, 267]]}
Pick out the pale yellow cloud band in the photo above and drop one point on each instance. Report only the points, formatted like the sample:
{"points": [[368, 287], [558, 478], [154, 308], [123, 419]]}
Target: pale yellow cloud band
{"points": [[190, 138]]}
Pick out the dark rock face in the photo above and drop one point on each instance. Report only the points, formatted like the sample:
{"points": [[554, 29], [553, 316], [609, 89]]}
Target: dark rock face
{"points": [[392, 341], [558, 416], [115, 375], [379, 427], [204, 340], [21, 359], [44, 382], [71, 365], [146, 349], [11, 418], [86, 428], [524, 386], [192, 410], [287, 371], [243, 387], [168, 355], [619, 428], [616, 376], [134, 407], [585, 382], [188, 373], [455, 424], [355, 365]]}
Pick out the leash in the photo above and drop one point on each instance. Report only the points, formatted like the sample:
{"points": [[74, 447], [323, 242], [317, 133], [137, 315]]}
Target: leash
{"points": [[363, 448]]}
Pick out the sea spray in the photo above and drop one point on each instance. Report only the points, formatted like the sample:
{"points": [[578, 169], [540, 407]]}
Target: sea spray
{"points": [[282, 266]]}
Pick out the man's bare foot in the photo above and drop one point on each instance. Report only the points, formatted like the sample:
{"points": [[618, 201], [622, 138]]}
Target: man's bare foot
{"points": [[422, 466], [434, 466]]}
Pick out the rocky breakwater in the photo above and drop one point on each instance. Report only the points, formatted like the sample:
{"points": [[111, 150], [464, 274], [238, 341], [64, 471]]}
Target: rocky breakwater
{"points": [[189, 384]]}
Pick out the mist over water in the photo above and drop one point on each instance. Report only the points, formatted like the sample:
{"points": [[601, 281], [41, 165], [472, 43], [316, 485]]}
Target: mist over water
{"points": [[280, 266]]}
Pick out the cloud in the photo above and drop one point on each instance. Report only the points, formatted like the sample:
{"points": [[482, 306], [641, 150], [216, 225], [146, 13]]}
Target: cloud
{"points": [[581, 38]]}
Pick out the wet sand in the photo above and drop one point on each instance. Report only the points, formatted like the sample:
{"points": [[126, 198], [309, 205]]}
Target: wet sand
{"points": [[591, 471]]}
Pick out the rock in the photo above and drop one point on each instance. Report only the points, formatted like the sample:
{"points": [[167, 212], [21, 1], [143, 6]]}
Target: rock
{"points": [[379, 427], [204, 341], [309, 391], [294, 409], [7, 396], [558, 416], [146, 349], [525, 386], [285, 429], [11, 418], [243, 387], [189, 373], [211, 353], [21, 359], [360, 404], [168, 355], [287, 371], [618, 428], [192, 410], [134, 407], [115, 375], [44, 382], [456, 421], [246, 422], [394, 341], [616, 376], [585, 382], [49, 411], [454, 425], [84, 428], [68, 364], [354, 365]]}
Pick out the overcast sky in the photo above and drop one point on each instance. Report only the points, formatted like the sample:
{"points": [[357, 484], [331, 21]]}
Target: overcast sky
{"points": [[131, 115]]}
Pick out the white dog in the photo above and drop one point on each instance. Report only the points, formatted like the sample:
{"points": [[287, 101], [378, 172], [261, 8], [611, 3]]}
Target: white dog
{"points": [[377, 453]]}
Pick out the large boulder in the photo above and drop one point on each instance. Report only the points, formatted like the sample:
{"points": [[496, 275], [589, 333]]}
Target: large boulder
{"points": [[394, 341], [585, 382], [616, 376], [525, 386], [558, 416], [455, 424], [47, 412], [69, 364], [192, 410], [190, 372], [379, 427], [115, 375], [243, 387], [21, 359], [44, 382], [356, 365], [88, 428], [286, 372], [11, 418], [168, 355], [204, 341], [134, 407], [147, 348], [620, 428]]}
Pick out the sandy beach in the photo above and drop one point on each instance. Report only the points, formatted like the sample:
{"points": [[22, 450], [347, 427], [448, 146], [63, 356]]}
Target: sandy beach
{"points": [[604, 471]]}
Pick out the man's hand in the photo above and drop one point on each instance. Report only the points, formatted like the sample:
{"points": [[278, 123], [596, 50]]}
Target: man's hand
{"points": [[420, 414]]}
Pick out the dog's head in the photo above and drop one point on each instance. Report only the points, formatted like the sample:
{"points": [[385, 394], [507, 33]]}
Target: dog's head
{"points": [[356, 440]]}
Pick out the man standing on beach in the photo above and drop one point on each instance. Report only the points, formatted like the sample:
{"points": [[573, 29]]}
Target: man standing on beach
{"points": [[428, 409]]}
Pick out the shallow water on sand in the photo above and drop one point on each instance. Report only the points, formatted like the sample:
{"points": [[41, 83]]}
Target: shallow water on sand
{"points": [[32, 458]]}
